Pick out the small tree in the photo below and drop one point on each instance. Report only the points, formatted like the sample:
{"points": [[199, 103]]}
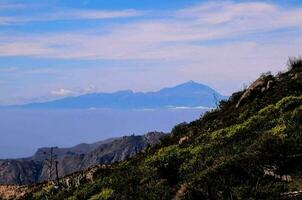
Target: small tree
{"points": [[216, 99], [51, 163]]}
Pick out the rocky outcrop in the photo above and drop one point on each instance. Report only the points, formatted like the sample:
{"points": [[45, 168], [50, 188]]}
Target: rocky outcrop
{"points": [[181, 193], [261, 85], [183, 140]]}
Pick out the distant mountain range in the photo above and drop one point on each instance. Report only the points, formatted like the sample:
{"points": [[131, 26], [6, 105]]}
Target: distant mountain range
{"points": [[188, 94], [33, 169]]}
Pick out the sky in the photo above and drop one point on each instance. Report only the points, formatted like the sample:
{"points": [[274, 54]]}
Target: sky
{"points": [[56, 48]]}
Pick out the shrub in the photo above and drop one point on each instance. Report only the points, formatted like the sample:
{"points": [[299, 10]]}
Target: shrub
{"points": [[105, 194], [294, 63]]}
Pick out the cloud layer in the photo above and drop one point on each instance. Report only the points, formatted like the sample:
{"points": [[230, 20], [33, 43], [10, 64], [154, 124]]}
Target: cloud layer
{"points": [[178, 36]]}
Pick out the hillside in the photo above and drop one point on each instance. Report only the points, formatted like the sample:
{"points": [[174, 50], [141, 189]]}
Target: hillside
{"points": [[247, 148], [189, 94], [34, 169]]}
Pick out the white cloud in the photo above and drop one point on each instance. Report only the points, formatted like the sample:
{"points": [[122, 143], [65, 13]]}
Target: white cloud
{"points": [[70, 15], [10, 6], [92, 14], [61, 92], [8, 69], [89, 89], [6, 20], [24, 48], [223, 12]]}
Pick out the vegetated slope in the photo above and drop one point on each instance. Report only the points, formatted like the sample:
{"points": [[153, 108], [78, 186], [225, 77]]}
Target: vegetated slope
{"points": [[34, 169], [248, 148], [189, 94]]}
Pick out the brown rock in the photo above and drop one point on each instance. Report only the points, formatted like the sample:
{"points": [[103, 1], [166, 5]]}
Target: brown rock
{"points": [[258, 84], [181, 193], [183, 140]]}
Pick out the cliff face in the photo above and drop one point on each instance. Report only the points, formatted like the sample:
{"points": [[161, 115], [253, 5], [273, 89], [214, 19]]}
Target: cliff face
{"points": [[33, 169], [19, 171]]}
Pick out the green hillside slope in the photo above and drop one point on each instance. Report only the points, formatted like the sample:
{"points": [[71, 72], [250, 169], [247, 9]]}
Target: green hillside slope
{"points": [[250, 147]]}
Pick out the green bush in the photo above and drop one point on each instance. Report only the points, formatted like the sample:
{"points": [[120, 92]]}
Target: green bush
{"points": [[105, 194]]}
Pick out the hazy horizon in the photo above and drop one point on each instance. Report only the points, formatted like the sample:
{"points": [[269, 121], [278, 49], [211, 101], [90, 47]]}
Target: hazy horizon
{"points": [[28, 130]]}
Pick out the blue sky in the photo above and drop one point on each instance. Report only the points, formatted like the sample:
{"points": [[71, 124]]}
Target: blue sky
{"points": [[55, 48]]}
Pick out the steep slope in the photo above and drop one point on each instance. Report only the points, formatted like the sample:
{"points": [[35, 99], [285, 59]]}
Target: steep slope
{"points": [[248, 148], [189, 94], [33, 169]]}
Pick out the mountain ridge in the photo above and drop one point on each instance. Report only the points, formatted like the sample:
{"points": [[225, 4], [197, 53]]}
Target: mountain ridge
{"points": [[188, 94], [32, 169]]}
